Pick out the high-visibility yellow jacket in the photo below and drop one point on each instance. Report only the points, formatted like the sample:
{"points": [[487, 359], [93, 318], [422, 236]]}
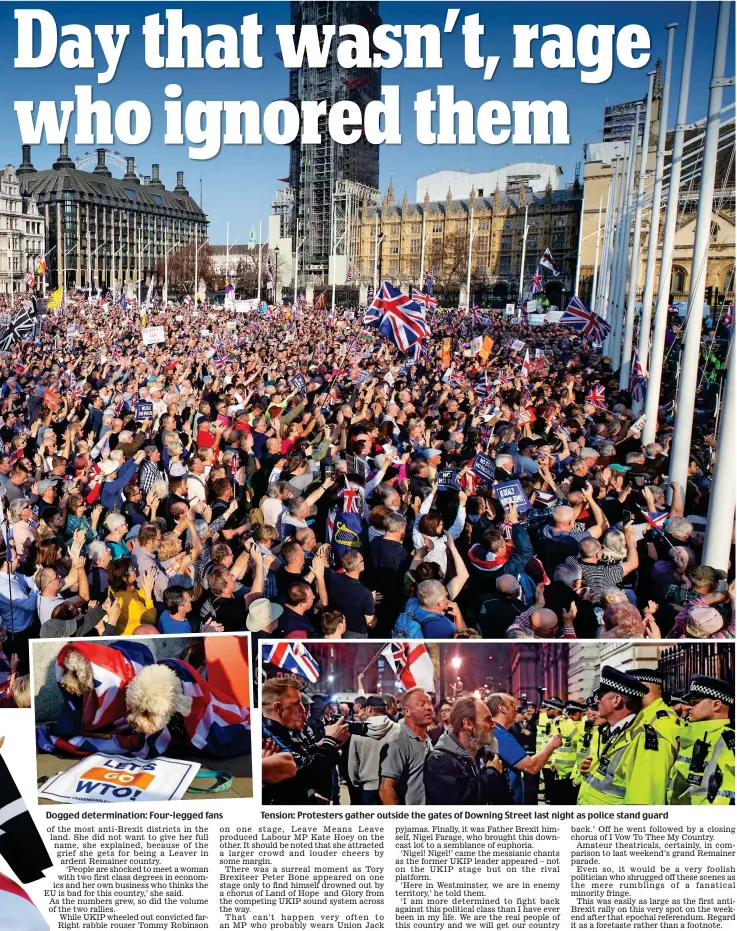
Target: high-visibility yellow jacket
{"points": [[632, 768], [703, 773], [589, 740], [565, 756], [546, 727], [665, 721]]}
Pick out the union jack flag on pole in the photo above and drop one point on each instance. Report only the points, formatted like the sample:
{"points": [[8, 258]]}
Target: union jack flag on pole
{"points": [[536, 285], [422, 297], [588, 323], [597, 397], [637, 379], [291, 657], [397, 317], [656, 519]]}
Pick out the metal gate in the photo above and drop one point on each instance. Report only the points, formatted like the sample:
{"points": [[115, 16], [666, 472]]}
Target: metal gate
{"points": [[679, 663]]}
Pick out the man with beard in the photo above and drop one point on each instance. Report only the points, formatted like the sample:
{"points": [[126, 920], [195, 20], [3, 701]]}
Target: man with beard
{"points": [[464, 768]]}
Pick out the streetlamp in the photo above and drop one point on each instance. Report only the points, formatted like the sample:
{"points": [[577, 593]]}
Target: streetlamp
{"points": [[276, 271], [140, 270], [456, 663]]}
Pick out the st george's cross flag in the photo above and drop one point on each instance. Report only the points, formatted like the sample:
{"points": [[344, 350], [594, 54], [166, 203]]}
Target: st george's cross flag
{"points": [[411, 663], [291, 656]]}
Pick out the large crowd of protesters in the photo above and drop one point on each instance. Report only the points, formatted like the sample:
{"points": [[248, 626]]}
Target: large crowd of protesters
{"points": [[191, 485]]}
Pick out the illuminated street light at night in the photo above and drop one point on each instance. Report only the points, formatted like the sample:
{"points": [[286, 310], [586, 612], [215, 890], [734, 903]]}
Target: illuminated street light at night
{"points": [[456, 662]]}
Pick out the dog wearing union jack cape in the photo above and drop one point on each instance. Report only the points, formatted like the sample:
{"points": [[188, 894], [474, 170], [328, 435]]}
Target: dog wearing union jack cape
{"points": [[119, 700]]}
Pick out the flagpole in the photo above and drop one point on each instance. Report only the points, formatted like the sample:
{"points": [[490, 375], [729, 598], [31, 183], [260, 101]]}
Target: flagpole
{"points": [[165, 295], [227, 252], [617, 281], [720, 519], [580, 244], [258, 288], [652, 397], [688, 385], [606, 244], [296, 259], [470, 249], [376, 247], [626, 357], [596, 259], [524, 253], [604, 233], [422, 253], [643, 349], [196, 264], [333, 256], [373, 660]]}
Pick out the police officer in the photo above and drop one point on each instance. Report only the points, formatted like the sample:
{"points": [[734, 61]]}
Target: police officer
{"points": [[679, 706], [547, 725], [654, 710], [571, 726], [703, 773], [589, 738], [634, 762]]}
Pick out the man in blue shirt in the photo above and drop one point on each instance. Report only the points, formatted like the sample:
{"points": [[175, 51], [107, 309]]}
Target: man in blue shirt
{"points": [[503, 710], [178, 604]]}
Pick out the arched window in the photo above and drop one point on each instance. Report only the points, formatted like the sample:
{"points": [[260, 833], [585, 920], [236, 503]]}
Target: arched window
{"points": [[728, 281], [678, 280]]}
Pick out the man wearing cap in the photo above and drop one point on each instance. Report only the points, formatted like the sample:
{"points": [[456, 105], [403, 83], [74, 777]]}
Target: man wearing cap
{"points": [[365, 753], [570, 726], [654, 710], [634, 762], [548, 725], [703, 773]]}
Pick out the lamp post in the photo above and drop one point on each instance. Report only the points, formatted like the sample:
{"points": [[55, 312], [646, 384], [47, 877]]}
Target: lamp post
{"points": [[165, 295], [276, 271], [140, 270]]}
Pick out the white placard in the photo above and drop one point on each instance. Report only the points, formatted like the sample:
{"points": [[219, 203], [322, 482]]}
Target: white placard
{"points": [[103, 778], [152, 335], [531, 307], [510, 310], [248, 306]]}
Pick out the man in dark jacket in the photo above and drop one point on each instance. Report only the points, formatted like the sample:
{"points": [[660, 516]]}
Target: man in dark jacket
{"points": [[459, 769], [284, 722]]}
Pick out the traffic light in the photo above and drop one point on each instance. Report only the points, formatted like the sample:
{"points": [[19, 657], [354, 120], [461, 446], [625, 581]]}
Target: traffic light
{"points": [[708, 294]]}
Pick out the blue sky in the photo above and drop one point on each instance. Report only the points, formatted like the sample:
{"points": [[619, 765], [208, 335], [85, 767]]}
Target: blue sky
{"points": [[238, 184]]}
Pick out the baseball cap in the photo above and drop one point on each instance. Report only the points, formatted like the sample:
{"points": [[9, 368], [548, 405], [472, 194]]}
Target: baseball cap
{"points": [[376, 701]]}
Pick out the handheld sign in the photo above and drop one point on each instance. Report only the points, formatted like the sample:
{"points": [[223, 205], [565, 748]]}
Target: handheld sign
{"points": [[637, 425], [152, 335], [103, 778], [510, 309], [144, 410], [476, 345], [299, 384], [486, 347], [448, 478], [483, 467], [51, 399], [509, 493], [518, 345]]}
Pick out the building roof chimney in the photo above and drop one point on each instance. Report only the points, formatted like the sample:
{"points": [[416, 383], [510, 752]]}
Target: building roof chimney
{"points": [[100, 168], [180, 188], [25, 167], [155, 180], [63, 161], [130, 175]]}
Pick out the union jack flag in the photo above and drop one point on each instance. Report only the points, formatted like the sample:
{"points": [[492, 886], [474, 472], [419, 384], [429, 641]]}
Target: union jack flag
{"points": [[76, 394], [221, 359], [485, 433], [422, 297], [637, 379], [76, 731], [215, 725], [483, 387], [536, 285], [656, 519], [398, 318], [578, 316], [478, 318], [301, 302], [291, 657], [350, 499], [597, 397], [411, 663], [547, 262]]}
